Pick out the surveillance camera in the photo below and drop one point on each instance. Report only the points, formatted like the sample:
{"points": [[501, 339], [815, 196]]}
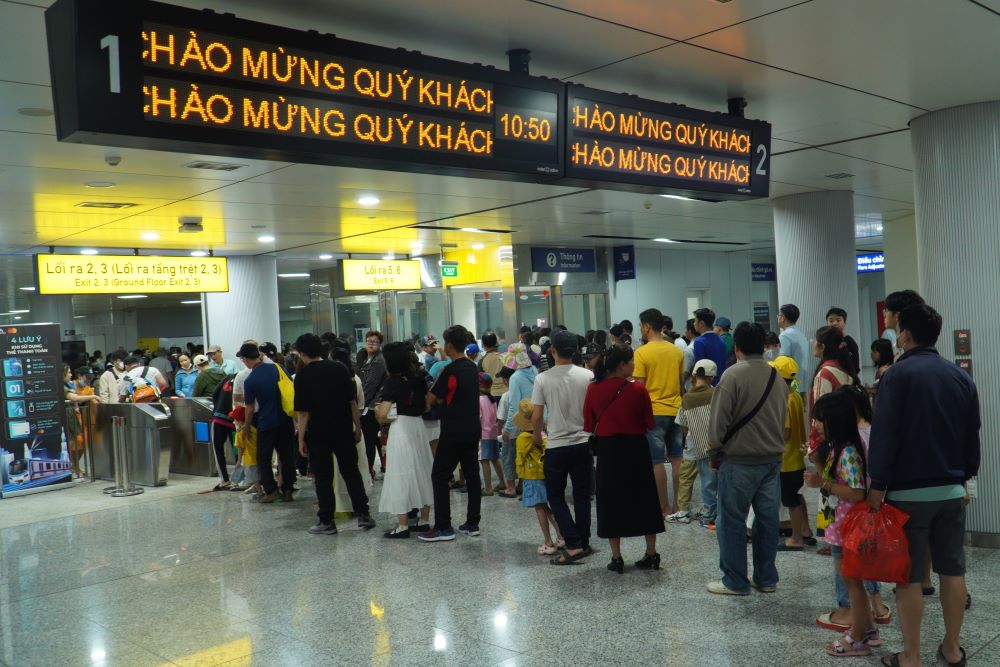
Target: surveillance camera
{"points": [[113, 159]]}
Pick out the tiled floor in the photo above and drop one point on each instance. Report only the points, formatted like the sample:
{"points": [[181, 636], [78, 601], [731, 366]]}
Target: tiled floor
{"points": [[178, 578]]}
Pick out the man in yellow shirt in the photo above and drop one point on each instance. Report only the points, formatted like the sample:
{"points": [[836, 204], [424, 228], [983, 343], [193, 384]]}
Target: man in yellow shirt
{"points": [[659, 365]]}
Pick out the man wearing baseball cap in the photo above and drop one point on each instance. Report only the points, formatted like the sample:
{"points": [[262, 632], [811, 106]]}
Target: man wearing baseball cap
{"points": [[228, 366], [722, 327], [428, 351], [208, 378]]}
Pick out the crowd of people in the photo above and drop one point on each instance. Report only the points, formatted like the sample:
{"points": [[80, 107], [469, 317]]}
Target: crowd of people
{"points": [[723, 405]]}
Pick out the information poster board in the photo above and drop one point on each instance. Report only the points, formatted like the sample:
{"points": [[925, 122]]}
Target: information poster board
{"points": [[33, 452]]}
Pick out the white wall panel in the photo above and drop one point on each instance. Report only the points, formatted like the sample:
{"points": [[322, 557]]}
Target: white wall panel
{"points": [[248, 310]]}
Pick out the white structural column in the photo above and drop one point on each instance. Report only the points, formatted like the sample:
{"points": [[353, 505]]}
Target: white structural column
{"points": [[815, 254], [56, 308], [957, 171], [248, 310]]}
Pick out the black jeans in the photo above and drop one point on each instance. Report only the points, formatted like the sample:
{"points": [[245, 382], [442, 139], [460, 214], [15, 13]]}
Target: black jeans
{"points": [[322, 449], [452, 451], [220, 438], [577, 463], [369, 428], [282, 441]]}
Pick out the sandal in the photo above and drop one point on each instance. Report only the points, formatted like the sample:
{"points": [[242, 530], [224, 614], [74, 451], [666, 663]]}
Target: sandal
{"points": [[548, 549], [885, 619], [565, 558], [891, 660], [506, 494], [848, 648], [961, 662], [223, 486], [809, 541], [826, 621]]}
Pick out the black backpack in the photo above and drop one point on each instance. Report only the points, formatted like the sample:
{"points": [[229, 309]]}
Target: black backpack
{"points": [[222, 400]]}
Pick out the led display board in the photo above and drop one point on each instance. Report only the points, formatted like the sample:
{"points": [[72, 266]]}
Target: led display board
{"points": [[128, 274], [381, 274], [873, 262], [627, 142], [151, 75]]}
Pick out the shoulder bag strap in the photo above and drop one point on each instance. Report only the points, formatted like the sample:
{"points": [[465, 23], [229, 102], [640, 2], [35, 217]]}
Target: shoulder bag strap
{"points": [[618, 393], [753, 413]]}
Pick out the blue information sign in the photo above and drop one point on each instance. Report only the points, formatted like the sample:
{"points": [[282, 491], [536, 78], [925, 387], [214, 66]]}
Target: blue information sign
{"points": [[871, 263], [761, 273], [563, 260], [624, 262]]}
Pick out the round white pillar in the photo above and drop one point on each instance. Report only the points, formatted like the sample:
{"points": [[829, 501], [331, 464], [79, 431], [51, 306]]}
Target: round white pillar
{"points": [[815, 257], [248, 310], [956, 153]]}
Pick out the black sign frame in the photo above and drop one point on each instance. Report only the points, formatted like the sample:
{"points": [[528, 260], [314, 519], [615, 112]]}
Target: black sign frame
{"points": [[89, 111], [760, 132]]}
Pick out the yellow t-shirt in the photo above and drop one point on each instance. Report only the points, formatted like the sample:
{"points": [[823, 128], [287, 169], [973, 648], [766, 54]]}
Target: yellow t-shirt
{"points": [[795, 425], [528, 460], [659, 365]]}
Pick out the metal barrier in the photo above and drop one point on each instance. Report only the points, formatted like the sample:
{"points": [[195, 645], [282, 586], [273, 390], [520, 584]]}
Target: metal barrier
{"points": [[123, 484]]}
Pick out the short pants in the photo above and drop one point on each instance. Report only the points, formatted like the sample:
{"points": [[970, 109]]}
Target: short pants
{"points": [[940, 524], [534, 493], [489, 450], [791, 484], [665, 440]]}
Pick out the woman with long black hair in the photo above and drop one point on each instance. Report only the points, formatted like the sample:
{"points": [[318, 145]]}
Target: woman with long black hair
{"points": [[408, 477], [619, 413]]}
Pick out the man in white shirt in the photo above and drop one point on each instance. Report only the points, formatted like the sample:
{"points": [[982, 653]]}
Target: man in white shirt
{"points": [[558, 397], [136, 374]]}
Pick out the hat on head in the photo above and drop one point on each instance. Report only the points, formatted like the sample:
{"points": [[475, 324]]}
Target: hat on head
{"points": [[522, 418], [591, 351], [199, 360], [705, 368], [723, 322], [786, 367], [471, 348], [429, 339], [248, 351], [214, 348], [517, 357], [565, 343]]}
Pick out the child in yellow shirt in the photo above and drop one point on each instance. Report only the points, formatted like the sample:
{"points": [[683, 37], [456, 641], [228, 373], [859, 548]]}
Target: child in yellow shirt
{"points": [[793, 463], [529, 470]]}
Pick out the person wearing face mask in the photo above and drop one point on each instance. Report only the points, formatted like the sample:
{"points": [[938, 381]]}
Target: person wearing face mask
{"points": [[107, 385], [185, 377]]}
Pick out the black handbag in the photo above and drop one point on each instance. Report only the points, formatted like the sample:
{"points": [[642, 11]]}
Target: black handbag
{"points": [[593, 436]]}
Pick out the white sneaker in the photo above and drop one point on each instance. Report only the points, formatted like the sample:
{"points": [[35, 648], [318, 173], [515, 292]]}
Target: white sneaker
{"points": [[679, 517], [720, 588]]}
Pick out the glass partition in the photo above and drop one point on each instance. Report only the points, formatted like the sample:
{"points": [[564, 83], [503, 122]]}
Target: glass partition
{"points": [[421, 312], [583, 312], [536, 310], [356, 315]]}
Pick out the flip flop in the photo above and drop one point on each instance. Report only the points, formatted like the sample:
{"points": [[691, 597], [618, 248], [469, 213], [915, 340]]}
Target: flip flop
{"points": [[505, 494], [961, 662], [891, 660], [565, 558], [825, 621], [886, 619]]}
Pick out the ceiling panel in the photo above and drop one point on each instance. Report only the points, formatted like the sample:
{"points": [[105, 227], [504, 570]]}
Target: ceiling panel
{"points": [[26, 57], [927, 53]]}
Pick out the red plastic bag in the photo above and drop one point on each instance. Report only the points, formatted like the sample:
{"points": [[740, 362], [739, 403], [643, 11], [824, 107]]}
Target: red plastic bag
{"points": [[875, 545]]}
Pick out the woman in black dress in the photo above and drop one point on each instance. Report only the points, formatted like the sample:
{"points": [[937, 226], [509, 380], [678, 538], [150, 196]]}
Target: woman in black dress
{"points": [[628, 504]]}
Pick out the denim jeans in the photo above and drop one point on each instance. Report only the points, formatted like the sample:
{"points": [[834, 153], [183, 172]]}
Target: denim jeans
{"points": [[577, 463], [665, 439], [843, 598], [741, 487], [709, 488], [508, 456]]}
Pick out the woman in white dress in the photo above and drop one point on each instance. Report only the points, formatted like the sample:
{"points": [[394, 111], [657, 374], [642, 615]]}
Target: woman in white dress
{"points": [[407, 481]]}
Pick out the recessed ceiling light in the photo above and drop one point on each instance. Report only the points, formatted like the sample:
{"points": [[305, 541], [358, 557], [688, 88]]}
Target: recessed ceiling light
{"points": [[265, 239], [17, 317], [104, 204], [478, 246], [27, 289], [199, 253], [79, 317], [681, 197], [295, 307], [99, 184], [666, 241], [149, 236], [15, 312], [35, 112], [191, 302], [88, 251], [368, 200], [473, 230], [326, 257], [133, 296], [293, 275]]}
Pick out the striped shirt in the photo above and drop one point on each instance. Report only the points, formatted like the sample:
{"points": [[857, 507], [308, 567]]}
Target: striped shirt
{"points": [[694, 415]]}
